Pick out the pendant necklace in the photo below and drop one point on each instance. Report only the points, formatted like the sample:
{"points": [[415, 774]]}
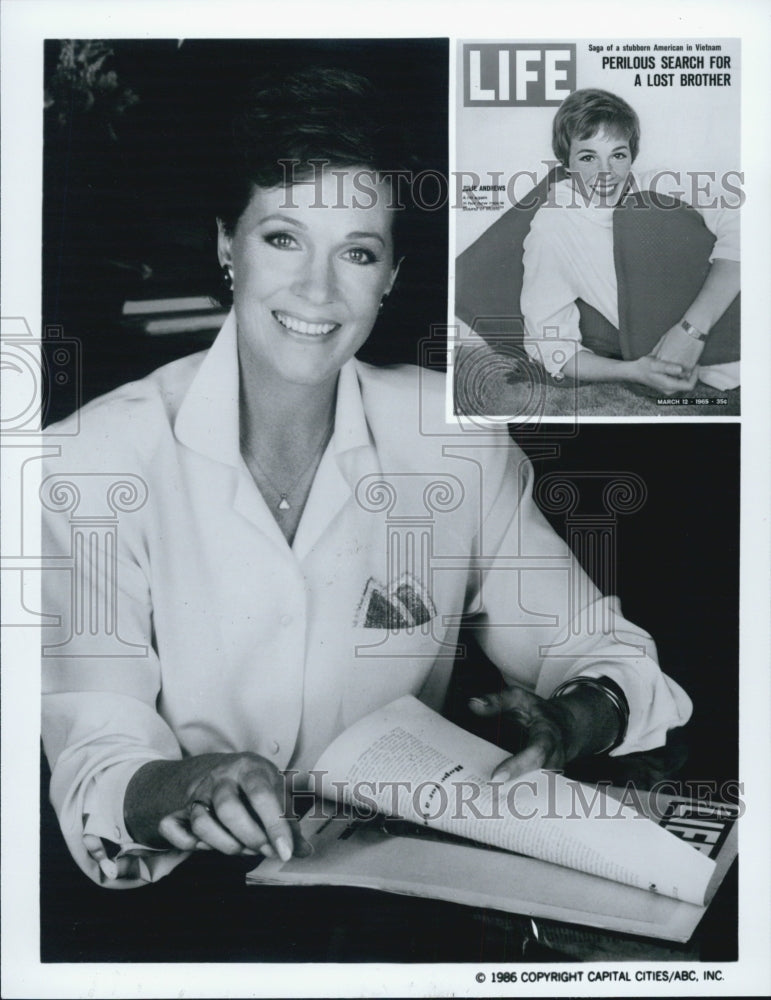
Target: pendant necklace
{"points": [[283, 503]]}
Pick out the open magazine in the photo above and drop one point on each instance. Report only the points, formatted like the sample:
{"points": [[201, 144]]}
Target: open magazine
{"points": [[421, 817]]}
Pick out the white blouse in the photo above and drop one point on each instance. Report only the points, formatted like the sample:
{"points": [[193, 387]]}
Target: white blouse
{"points": [[568, 254]]}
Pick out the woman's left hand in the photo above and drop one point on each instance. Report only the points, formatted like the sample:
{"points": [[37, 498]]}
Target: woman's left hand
{"points": [[680, 348], [558, 729], [548, 723]]}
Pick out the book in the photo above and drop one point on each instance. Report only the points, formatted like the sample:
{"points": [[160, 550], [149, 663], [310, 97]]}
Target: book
{"points": [[404, 804]]}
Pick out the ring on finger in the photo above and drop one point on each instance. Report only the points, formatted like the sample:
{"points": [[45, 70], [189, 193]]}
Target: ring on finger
{"points": [[206, 806]]}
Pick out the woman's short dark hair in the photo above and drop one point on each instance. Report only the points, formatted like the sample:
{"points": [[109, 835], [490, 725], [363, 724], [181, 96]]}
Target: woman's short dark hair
{"points": [[318, 115], [585, 112], [288, 129]]}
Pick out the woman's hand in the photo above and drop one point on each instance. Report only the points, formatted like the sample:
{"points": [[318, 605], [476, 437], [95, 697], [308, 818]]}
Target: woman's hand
{"points": [[680, 348], [668, 377], [232, 803], [558, 729]]}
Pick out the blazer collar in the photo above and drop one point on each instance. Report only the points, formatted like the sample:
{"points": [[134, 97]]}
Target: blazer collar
{"points": [[208, 418]]}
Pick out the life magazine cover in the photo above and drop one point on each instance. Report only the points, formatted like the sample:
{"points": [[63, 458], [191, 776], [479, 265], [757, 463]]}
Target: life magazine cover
{"points": [[346, 365], [598, 197]]}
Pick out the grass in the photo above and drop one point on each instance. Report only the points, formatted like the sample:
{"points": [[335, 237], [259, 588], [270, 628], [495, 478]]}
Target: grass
{"points": [[493, 383]]}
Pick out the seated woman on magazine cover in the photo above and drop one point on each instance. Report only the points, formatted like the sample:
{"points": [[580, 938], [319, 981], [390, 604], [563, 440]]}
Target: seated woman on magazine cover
{"points": [[569, 255], [299, 535]]}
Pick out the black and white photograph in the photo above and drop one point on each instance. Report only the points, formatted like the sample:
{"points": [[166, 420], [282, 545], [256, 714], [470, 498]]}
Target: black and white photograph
{"points": [[597, 204], [382, 610]]}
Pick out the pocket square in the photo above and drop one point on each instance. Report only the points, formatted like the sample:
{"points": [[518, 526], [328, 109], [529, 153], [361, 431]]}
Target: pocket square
{"points": [[403, 604]]}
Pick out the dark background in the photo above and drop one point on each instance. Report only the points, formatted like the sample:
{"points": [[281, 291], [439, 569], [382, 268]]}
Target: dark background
{"points": [[127, 190], [133, 148], [677, 571]]}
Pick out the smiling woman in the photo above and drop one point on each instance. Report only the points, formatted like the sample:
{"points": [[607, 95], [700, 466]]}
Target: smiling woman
{"points": [[308, 281], [597, 136], [569, 255], [603, 163], [306, 242], [284, 507], [309, 263]]}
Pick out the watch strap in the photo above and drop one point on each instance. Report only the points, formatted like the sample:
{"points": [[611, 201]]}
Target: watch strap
{"points": [[692, 330]]}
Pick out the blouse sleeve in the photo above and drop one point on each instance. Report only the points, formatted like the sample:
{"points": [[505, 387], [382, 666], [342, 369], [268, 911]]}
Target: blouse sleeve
{"points": [[101, 674], [718, 206], [547, 622], [548, 300]]}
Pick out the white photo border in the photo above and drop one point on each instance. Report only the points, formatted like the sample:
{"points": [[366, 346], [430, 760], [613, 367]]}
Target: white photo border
{"points": [[25, 24]]}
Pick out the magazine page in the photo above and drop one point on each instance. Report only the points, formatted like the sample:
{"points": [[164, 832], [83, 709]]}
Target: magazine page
{"points": [[574, 261], [402, 857], [409, 762]]}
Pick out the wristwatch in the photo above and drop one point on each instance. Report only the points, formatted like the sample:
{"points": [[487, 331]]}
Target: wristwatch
{"points": [[692, 331]]}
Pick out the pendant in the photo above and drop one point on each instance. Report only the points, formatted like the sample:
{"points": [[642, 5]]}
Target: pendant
{"points": [[284, 503]]}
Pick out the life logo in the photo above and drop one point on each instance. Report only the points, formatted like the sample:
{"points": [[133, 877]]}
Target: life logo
{"points": [[505, 75]]}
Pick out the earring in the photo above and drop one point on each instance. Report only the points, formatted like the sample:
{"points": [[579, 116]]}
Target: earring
{"points": [[227, 275], [383, 301]]}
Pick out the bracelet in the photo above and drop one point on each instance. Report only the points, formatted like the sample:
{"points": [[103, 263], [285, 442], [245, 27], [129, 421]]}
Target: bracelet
{"points": [[692, 331], [612, 692]]}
